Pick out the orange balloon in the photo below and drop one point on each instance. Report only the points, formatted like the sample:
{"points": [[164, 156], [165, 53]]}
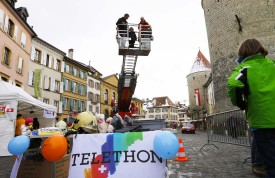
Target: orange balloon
{"points": [[54, 148]]}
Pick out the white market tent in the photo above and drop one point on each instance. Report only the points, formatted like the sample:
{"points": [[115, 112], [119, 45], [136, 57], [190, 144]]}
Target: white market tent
{"points": [[15, 98]]}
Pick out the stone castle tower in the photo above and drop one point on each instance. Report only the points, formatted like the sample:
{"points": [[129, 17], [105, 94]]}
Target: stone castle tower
{"points": [[229, 23], [197, 77]]}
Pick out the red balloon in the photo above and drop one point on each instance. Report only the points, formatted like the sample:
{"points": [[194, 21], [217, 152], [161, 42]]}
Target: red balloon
{"points": [[54, 148]]}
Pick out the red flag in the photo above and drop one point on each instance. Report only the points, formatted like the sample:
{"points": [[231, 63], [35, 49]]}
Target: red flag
{"points": [[198, 98]]}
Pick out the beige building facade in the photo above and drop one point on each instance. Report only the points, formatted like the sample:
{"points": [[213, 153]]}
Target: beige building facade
{"points": [[108, 92], [15, 44], [44, 76], [94, 90], [74, 77]]}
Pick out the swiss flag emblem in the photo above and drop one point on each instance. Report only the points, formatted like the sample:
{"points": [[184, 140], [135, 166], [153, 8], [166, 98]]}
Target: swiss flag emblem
{"points": [[10, 109]]}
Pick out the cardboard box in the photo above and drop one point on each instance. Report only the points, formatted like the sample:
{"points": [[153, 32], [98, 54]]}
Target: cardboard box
{"points": [[44, 169]]}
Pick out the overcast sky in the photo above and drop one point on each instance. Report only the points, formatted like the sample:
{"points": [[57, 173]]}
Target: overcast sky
{"points": [[88, 26]]}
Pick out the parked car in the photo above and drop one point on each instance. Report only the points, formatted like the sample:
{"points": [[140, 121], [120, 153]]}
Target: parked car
{"points": [[188, 128]]}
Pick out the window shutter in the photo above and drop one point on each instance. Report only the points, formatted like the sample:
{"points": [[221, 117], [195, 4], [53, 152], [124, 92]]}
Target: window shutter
{"points": [[79, 105], [67, 68], [85, 105], [23, 40], [60, 108], [20, 64], [63, 103], [85, 90], [55, 63], [45, 59], [72, 70], [46, 82], [15, 32], [42, 58], [6, 24], [50, 61], [51, 101], [71, 104], [72, 86], [62, 66], [61, 87], [1, 18], [30, 78], [33, 53], [52, 84]]}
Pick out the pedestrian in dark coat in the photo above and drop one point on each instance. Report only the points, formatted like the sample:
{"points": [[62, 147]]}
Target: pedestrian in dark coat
{"points": [[133, 37], [122, 25]]}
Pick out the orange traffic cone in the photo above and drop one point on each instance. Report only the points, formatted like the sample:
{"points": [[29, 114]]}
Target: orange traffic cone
{"points": [[181, 154]]}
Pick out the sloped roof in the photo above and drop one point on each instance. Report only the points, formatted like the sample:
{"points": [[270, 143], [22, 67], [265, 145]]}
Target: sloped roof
{"points": [[200, 64], [162, 101]]}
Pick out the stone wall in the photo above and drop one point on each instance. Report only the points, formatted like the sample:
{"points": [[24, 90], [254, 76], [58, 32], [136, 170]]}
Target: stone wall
{"points": [[229, 23]]}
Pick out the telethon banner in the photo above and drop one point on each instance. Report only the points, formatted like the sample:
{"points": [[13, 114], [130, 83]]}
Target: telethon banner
{"points": [[116, 155]]}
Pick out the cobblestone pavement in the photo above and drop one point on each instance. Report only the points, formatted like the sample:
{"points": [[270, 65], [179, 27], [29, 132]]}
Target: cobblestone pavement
{"points": [[210, 162]]}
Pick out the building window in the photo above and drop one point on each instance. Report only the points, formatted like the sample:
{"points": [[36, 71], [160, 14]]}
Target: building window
{"points": [[58, 65], [56, 104], [151, 116], [113, 96], [96, 98], [45, 100], [97, 85], [151, 110], [97, 110], [90, 96], [193, 78], [65, 103], [57, 86], [83, 105], [10, 28], [91, 108], [106, 97], [37, 56], [48, 61], [7, 55], [4, 79], [165, 110], [164, 116], [157, 110], [158, 116], [20, 65], [91, 83]]}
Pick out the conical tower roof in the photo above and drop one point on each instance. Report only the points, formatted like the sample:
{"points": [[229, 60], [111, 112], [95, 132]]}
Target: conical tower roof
{"points": [[200, 64]]}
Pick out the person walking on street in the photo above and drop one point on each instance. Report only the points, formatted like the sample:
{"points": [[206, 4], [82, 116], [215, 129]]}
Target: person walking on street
{"points": [[251, 87]]}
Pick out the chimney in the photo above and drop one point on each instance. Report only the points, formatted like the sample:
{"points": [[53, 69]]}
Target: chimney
{"points": [[71, 53]]}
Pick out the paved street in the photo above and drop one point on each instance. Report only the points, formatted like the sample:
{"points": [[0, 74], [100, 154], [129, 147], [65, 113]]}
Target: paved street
{"points": [[225, 162]]}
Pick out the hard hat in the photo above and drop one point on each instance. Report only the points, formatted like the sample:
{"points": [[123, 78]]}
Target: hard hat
{"points": [[85, 120]]}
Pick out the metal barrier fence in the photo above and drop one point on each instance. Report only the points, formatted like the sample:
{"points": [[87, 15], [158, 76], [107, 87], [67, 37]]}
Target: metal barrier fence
{"points": [[229, 127]]}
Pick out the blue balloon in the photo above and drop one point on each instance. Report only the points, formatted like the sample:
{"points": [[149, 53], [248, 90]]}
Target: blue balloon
{"points": [[18, 145], [166, 144]]}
